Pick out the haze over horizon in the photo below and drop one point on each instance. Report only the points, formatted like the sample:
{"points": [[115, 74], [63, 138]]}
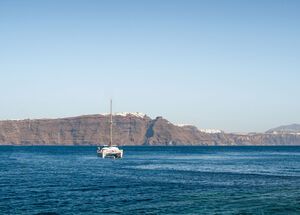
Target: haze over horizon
{"points": [[230, 65]]}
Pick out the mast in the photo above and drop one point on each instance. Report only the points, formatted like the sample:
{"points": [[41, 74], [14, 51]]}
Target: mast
{"points": [[111, 123]]}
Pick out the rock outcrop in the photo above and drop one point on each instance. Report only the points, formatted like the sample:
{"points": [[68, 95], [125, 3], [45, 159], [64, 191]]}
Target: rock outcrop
{"points": [[128, 129]]}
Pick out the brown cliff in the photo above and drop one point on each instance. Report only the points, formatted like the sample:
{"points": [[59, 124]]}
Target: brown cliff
{"points": [[128, 130]]}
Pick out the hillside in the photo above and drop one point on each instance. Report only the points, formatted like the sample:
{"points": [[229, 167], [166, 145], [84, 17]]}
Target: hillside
{"points": [[293, 128], [129, 129]]}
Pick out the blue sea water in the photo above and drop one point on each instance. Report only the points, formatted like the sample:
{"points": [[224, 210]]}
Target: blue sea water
{"points": [[150, 180]]}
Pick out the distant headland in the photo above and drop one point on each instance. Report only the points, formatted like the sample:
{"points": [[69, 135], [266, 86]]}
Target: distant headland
{"points": [[132, 129]]}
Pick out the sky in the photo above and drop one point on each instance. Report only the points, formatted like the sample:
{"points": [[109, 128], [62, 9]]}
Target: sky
{"points": [[232, 65]]}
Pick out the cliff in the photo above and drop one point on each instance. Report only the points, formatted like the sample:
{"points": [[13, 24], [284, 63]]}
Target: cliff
{"points": [[129, 129]]}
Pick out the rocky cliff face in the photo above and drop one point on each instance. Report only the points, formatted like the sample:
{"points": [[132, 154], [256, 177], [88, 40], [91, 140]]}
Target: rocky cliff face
{"points": [[128, 129], [82, 130]]}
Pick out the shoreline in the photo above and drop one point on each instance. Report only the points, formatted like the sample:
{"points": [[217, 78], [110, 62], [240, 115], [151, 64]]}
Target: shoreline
{"points": [[167, 146]]}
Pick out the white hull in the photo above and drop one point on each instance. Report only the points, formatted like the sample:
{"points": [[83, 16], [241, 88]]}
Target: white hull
{"points": [[110, 152]]}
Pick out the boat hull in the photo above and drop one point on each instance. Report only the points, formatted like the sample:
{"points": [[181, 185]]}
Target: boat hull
{"points": [[110, 153]]}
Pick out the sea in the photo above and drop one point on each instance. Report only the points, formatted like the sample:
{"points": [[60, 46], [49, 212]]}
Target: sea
{"points": [[150, 180]]}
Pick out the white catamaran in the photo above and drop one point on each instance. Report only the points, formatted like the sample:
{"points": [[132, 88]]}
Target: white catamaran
{"points": [[110, 151]]}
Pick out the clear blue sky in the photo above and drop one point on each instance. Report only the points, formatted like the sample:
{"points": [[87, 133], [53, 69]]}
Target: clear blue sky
{"points": [[233, 65]]}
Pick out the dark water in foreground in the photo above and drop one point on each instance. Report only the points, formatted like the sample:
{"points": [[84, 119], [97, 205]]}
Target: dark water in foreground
{"points": [[150, 180]]}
